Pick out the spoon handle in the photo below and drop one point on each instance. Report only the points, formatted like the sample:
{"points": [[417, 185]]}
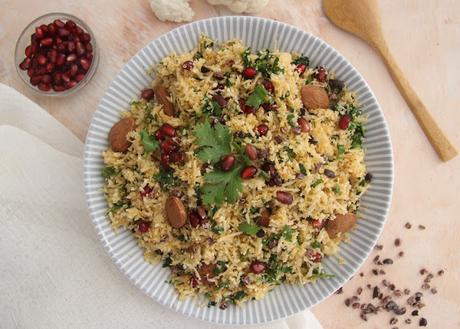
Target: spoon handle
{"points": [[438, 140]]}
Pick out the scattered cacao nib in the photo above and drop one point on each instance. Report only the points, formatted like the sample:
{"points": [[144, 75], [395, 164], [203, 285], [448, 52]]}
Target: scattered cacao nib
{"points": [[414, 313], [423, 322], [339, 291], [401, 253], [441, 272], [408, 225], [387, 261], [378, 246], [421, 227], [397, 242], [375, 292]]}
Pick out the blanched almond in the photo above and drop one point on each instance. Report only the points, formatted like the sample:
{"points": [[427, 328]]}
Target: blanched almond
{"points": [[118, 134], [314, 97], [175, 212], [161, 93], [341, 224]]}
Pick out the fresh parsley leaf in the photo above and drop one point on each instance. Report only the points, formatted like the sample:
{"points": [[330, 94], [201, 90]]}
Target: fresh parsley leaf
{"points": [[340, 149], [248, 228], [257, 97], [245, 57], [316, 244], [290, 152], [301, 60], [267, 64], [221, 267], [217, 229], [264, 175], [211, 107], [318, 274], [287, 233], [336, 189], [213, 142], [316, 183], [149, 141], [108, 171], [290, 119], [166, 178], [358, 135], [198, 55], [238, 295], [221, 186], [302, 169]]}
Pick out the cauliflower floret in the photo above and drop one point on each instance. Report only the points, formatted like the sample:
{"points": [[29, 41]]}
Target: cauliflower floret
{"points": [[172, 10], [242, 6]]}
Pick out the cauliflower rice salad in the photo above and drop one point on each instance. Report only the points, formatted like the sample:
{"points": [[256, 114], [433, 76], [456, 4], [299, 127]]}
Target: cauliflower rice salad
{"points": [[237, 170]]}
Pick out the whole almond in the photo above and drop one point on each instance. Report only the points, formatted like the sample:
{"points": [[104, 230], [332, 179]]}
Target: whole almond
{"points": [[161, 93], [175, 212], [118, 134], [341, 224], [314, 97]]}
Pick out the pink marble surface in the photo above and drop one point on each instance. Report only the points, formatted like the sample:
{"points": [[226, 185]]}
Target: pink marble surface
{"points": [[424, 36]]}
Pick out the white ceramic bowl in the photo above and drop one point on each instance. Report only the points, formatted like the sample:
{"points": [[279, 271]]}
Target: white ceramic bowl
{"points": [[258, 33]]}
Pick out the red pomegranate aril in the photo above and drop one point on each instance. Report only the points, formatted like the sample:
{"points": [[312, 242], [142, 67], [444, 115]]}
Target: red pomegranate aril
{"points": [[28, 51], [89, 48], [52, 55], [63, 32], [70, 84], [35, 80], [193, 282], [49, 67], [57, 77], [89, 57], [70, 24], [79, 48], [85, 37], [58, 41], [71, 46], [46, 78], [84, 63], [257, 267], [300, 68], [59, 88], [73, 70], [61, 47], [321, 75], [176, 157], [78, 30], [79, 77], [245, 108], [146, 94], [251, 151], [168, 130], [284, 197], [268, 85], [71, 58], [249, 73], [51, 29], [143, 226], [44, 86], [25, 64], [39, 32], [304, 125], [159, 135], [344, 121], [187, 65], [46, 42], [194, 219], [262, 129], [60, 60], [65, 77], [248, 172], [40, 70], [146, 191], [41, 59], [201, 211], [168, 146], [227, 162], [58, 23], [314, 256], [30, 72], [317, 223]]}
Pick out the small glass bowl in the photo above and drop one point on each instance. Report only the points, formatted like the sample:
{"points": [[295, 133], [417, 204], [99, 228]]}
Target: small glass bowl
{"points": [[24, 41]]}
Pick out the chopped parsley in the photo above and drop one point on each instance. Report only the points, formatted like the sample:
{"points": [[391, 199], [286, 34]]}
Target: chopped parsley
{"points": [[275, 272], [217, 229], [316, 182], [257, 97], [211, 107], [167, 262], [115, 207], [316, 244], [213, 142], [336, 189], [301, 60], [237, 296], [320, 274], [290, 119], [221, 267], [302, 169], [166, 178], [357, 130], [290, 152], [267, 64], [245, 57], [108, 171], [249, 228], [340, 149], [286, 233]]}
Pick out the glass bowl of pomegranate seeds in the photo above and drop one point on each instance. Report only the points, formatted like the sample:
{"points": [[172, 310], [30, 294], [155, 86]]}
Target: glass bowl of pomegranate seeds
{"points": [[56, 54]]}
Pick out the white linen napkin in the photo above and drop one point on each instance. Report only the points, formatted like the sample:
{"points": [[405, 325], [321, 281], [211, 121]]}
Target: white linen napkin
{"points": [[54, 272]]}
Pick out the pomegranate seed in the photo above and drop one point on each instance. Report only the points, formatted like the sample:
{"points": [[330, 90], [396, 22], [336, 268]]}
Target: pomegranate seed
{"points": [[176, 157], [58, 23], [227, 162], [61, 47], [40, 70], [249, 73], [71, 84], [187, 65], [300, 68], [25, 64], [58, 88], [168, 130], [44, 86], [65, 77], [194, 219], [284, 197], [146, 94], [58, 41], [143, 226], [52, 55], [159, 135], [73, 70], [28, 51], [257, 267], [71, 58], [220, 100], [78, 30], [321, 75], [268, 85], [41, 59], [46, 42], [39, 32], [63, 32], [269, 107], [89, 48], [317, 223], [46, 78], [85, 37], [245, 108], [30, 72], [35, 80], [251, 151], [262, 129], [201, 211], [304, 125], [60, 59], [79, 77], [314, 256], [84, 63], [44, 28], [79, 48], [168, 146], [344, 121], [70, 24], [248, 172], [147, 191], [193, 282], [51, 29], [71, 46], [57, 77], [89, 56]]}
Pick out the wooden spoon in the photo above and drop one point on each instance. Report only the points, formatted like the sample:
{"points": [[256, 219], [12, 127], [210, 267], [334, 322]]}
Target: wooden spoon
{"points": [[361, 18]]}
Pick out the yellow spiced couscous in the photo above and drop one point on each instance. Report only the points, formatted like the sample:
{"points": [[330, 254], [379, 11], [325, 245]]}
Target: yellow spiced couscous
{"points": [[237, 170]]}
